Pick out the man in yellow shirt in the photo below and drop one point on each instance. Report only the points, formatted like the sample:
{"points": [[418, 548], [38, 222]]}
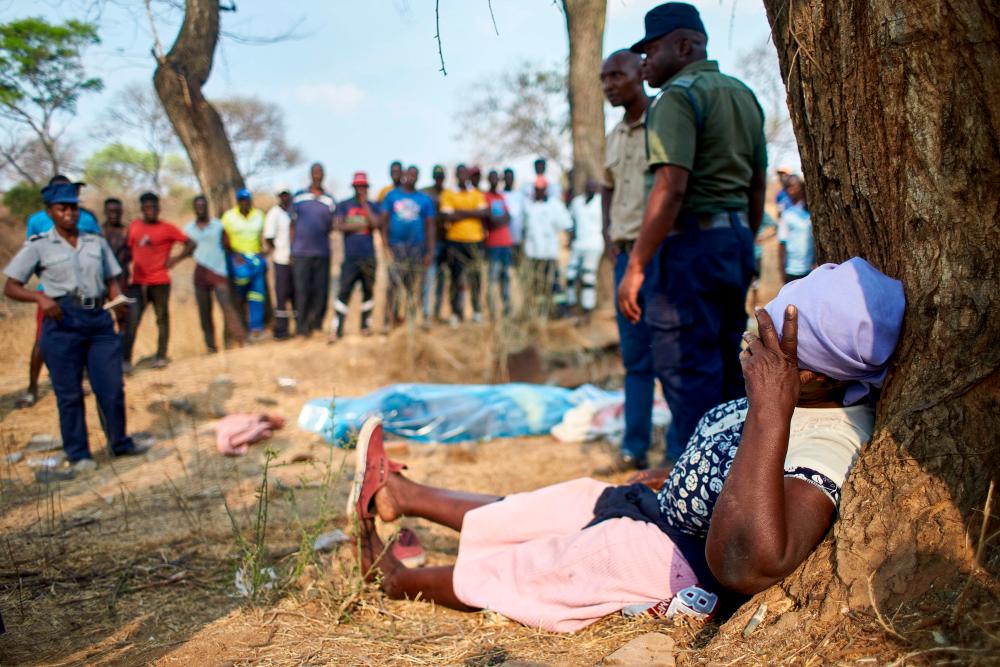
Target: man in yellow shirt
{"points": [[247, 267], [464, 211]]}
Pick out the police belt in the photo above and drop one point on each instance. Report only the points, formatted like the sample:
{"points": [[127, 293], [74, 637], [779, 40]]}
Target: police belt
{"points": [[625, 246], [690, 222], [88, 302]]}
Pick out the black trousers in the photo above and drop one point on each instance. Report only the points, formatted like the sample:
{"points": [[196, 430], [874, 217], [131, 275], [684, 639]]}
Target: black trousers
{"points": [[465, 263], [159, 296], [85, 339], [233, 326], [406, 281], [284, 298], [355, 270], [311, 277]]}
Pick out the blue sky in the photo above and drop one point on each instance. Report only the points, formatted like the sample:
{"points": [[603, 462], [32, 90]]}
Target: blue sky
{"points": [[361, 85]]}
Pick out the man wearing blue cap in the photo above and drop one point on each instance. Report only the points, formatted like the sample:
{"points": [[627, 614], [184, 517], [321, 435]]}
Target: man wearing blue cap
{"points": [[244, 226], [78, 270], [707, 160]]}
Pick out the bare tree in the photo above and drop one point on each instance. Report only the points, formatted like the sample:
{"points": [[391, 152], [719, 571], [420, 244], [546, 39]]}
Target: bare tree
{"points": [[136, 114], [180, 76], [758, 68], [256, 131], [518, 113], [895, 111], [585, 27], [24, 158]]}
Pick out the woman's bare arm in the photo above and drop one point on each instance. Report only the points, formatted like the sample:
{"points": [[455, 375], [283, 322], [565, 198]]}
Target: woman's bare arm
{"points": [[763, 525]]}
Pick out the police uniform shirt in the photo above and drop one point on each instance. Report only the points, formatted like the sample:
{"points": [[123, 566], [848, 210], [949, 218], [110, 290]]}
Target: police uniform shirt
{"points": [[711, 125], [625, 172], [63, 269]]}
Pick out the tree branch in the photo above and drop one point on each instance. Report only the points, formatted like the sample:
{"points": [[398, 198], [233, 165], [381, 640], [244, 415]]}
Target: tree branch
{"points": [[489, 3], [158, 52], [13, 160], [437, 35]]}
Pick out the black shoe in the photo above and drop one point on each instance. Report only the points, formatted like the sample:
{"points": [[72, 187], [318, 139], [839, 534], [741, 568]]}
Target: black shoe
{"points": [[624, 463], [135, 450]]}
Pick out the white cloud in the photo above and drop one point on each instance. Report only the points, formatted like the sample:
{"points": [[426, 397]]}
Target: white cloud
{"points": [[340, 98]]}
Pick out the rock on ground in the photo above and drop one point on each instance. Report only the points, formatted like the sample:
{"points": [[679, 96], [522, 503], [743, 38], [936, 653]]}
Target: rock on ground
{"points": [[651, 650]]}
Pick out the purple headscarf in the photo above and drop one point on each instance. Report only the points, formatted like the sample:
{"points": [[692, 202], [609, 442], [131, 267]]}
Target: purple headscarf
{"points": [[850, 315]]}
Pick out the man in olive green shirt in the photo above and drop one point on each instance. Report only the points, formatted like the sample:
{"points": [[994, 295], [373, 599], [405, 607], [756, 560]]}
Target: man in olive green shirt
{"points": [[707, 160]]}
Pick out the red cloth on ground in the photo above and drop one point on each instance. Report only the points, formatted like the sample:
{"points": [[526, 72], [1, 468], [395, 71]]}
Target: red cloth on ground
{"points": [[235, 433]]}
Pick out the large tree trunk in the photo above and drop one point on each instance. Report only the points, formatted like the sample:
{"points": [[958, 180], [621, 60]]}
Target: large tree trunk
{"points": [[585, 26], [895, 108], [179, 78]]}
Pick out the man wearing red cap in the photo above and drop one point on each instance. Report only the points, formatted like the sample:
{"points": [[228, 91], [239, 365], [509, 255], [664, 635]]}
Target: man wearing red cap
{"points": [[356, 219]]}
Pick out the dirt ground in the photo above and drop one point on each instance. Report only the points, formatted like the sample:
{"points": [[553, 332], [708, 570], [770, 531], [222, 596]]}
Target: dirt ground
{"points": [[135, 562]]}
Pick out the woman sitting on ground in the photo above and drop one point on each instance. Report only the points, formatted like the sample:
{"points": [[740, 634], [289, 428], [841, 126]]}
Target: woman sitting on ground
{"points": [[755, 491]]}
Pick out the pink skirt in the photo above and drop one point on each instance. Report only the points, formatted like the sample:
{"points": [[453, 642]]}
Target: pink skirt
{"points": [[528, 558]]}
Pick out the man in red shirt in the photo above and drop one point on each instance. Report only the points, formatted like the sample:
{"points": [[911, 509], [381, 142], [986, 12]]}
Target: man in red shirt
{"points": [[499, 243], [150, 241]]}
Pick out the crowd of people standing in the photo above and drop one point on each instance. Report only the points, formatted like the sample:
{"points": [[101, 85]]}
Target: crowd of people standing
{"points": [[680, 309], [96, 281]]}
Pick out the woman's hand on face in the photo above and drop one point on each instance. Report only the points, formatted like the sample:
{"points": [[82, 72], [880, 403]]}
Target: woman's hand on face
{"points": [[771, 367]]}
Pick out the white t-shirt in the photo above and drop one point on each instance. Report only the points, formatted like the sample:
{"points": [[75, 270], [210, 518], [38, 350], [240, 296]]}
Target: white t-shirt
{"points": [[515, 208], [796, 233], [277, 230], [544, 221], [588, 223], [827, 441]]}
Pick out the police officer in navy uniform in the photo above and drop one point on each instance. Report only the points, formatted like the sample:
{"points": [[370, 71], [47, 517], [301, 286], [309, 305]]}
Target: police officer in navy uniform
{"points": [[77, 271], [707, 160]]}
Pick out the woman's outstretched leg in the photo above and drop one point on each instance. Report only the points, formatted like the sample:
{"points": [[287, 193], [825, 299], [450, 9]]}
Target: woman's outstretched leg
{"points": [[401, 496], [401, 582]]}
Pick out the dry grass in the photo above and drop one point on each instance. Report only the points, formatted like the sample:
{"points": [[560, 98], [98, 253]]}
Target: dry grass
{"points": [[135, 562]]}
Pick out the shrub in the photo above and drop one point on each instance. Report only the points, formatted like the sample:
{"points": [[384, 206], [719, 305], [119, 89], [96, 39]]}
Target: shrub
{"points": [[22, 200]]}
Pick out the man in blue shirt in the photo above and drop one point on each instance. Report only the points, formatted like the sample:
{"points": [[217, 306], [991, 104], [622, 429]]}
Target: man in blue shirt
{"points": [[782, 200], [795, 233], [211, 275], [39, 223], [312, 223], [357, 219], [408, 217]]}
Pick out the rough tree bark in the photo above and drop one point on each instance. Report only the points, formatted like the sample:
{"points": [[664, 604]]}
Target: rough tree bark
{"points": [[585, 27], [895, 108], [180, 75]]}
